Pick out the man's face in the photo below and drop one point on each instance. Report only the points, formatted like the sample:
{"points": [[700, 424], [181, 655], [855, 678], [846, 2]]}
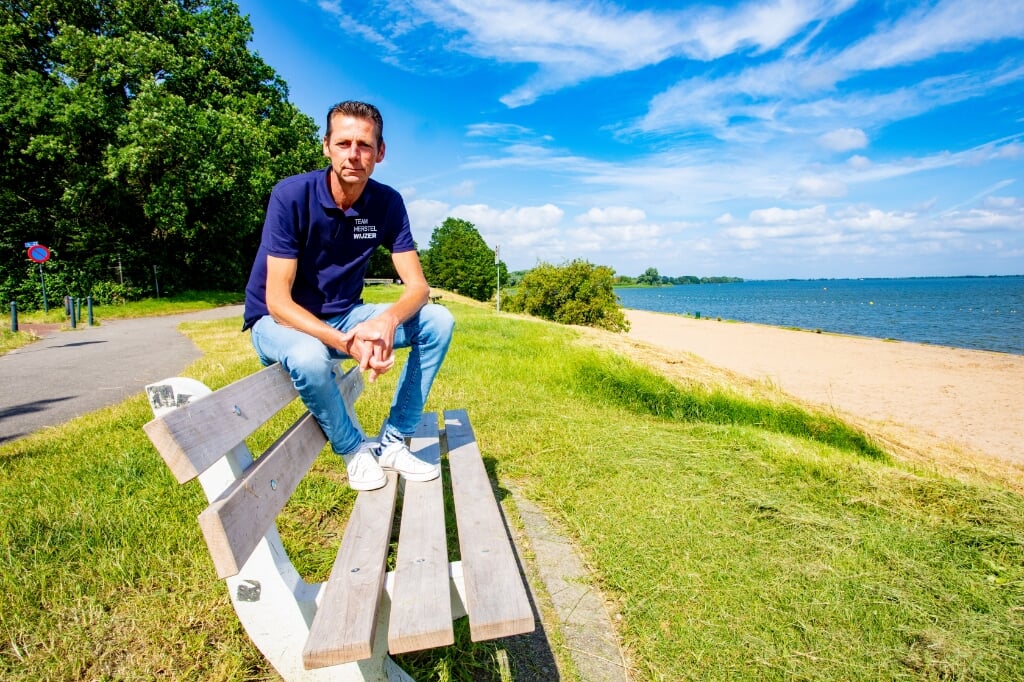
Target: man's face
{"points": [[352, 148]]}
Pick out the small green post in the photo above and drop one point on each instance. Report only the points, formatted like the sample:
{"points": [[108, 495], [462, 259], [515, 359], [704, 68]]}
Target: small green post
{"points": [[42, 284], [14, 316], [88, 306], [73, 325]]}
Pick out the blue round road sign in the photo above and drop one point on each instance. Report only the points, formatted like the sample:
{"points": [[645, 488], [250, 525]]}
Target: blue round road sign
{"points": [[37, 253]]}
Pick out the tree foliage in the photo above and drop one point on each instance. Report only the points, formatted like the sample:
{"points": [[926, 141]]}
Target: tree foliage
{"points": [[575, 293], [139, 130], [458, 259], [650, 277]]}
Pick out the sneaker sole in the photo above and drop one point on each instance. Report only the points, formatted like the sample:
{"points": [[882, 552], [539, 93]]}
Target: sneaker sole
{"points": [[417, 478], [363, 486]]}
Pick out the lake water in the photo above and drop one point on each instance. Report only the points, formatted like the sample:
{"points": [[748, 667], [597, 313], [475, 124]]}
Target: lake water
{"points": [[985, 313]]}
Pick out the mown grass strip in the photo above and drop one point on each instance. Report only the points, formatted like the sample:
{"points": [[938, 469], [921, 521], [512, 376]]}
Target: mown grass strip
{"points": [[638, 390]]}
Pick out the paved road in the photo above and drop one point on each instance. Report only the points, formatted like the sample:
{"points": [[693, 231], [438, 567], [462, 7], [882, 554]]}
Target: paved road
{"points": [[69, 373]]}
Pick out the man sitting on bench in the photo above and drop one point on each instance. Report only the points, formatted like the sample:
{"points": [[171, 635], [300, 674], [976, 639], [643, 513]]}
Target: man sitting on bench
{"points": [[303, 300]]}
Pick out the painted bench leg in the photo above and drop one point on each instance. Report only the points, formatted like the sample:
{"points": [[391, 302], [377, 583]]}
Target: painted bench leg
{"points": [[276, 608], [274, 604]]}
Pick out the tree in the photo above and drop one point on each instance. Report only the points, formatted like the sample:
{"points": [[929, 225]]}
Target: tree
{"points": [[650, 277], [575, 293], [458, 259], [140, 131], [381, 265]]}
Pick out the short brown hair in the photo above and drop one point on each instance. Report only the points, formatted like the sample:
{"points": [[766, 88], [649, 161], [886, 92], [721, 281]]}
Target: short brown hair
{"points": [[358, 110]]}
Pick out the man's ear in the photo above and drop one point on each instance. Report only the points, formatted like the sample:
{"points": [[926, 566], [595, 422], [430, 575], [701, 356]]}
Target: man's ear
{"points": [[380, 152], [326, 148]]}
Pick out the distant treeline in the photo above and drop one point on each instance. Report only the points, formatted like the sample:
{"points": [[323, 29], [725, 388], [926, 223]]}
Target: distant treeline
{"points": [[651, 278]]}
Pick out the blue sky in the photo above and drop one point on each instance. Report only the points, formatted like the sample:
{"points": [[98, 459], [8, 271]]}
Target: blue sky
{"points": [[766, 139]]}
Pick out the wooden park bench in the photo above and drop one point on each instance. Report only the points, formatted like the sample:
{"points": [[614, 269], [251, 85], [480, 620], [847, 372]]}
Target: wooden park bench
{"points": [[344, 628]]}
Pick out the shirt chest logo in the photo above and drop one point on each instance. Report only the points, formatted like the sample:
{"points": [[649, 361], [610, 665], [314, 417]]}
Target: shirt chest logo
{"points": [[361, 229]]}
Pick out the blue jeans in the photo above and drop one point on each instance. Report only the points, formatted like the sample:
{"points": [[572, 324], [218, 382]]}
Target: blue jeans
{"points": [[311, 366]]}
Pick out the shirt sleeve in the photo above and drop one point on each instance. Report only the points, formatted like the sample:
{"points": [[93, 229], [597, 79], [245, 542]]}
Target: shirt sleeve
{"points": [[280, 236], [403, 240]]}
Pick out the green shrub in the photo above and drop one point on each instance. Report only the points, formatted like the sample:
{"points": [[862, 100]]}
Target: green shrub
{"points": [[110, 293], [575, 293]]}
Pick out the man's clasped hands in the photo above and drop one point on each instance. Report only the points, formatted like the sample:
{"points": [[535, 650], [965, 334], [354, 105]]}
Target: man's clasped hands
{"points": [[372, 345]]}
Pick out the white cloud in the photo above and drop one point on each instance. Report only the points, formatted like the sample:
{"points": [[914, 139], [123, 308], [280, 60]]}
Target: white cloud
{"points": [[858, 162], [986, 219], [815, 93], [525, 218], [571, 41], [778, 216], [485, 217], [505, 132], [817, 187], [521, 227], [873, 220], [348, 22], [464, 189], [778, 233], [424, 216], [844, 139], [613, 215], [1001, 202], [947, 26]]}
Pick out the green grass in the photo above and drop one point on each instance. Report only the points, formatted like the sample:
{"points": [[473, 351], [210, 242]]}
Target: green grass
{"points": [[735, 539], [10, 340], [186, 302]]}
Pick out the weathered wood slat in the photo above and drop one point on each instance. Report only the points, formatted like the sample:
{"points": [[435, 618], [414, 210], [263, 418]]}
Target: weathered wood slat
{"points": [[346, 618], [236, 521], [421, 612], [196, 435], [496, 599]]}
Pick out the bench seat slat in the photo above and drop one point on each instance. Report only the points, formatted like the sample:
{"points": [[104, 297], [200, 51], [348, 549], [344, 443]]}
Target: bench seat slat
{"points": [[194, 436], [346, 618], [236, 521], [496, 599], [421, 611]]}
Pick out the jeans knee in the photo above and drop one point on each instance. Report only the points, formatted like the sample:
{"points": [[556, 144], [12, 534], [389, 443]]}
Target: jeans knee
{"points": [[309, 364]]}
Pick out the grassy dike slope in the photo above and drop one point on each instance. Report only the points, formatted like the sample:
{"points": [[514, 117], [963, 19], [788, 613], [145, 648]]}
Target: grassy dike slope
{"points": [[736, 537]]}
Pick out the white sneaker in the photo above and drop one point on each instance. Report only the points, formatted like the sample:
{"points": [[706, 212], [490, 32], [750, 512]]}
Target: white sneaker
{"points": [[364, 473], [396, 457]]}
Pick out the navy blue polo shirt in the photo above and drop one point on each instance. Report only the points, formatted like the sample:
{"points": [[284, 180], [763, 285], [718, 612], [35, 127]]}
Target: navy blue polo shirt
{"points": [[332, 247]]}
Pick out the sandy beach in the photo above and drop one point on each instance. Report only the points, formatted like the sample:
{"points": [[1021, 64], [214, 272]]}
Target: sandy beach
{"points": [[959, 410]]}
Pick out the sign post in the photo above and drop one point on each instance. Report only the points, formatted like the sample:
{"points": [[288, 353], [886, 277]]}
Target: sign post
{"points": [[497, 266], [37, 253]]}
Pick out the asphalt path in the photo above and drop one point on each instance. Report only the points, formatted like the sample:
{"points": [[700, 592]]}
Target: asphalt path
{"points": [[69, 373]]}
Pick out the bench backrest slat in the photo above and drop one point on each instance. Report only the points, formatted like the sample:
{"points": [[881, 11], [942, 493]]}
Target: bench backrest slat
{"points": [[421, 610], [346, 619], [496, 600], [235, 522], [194, 436]]}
